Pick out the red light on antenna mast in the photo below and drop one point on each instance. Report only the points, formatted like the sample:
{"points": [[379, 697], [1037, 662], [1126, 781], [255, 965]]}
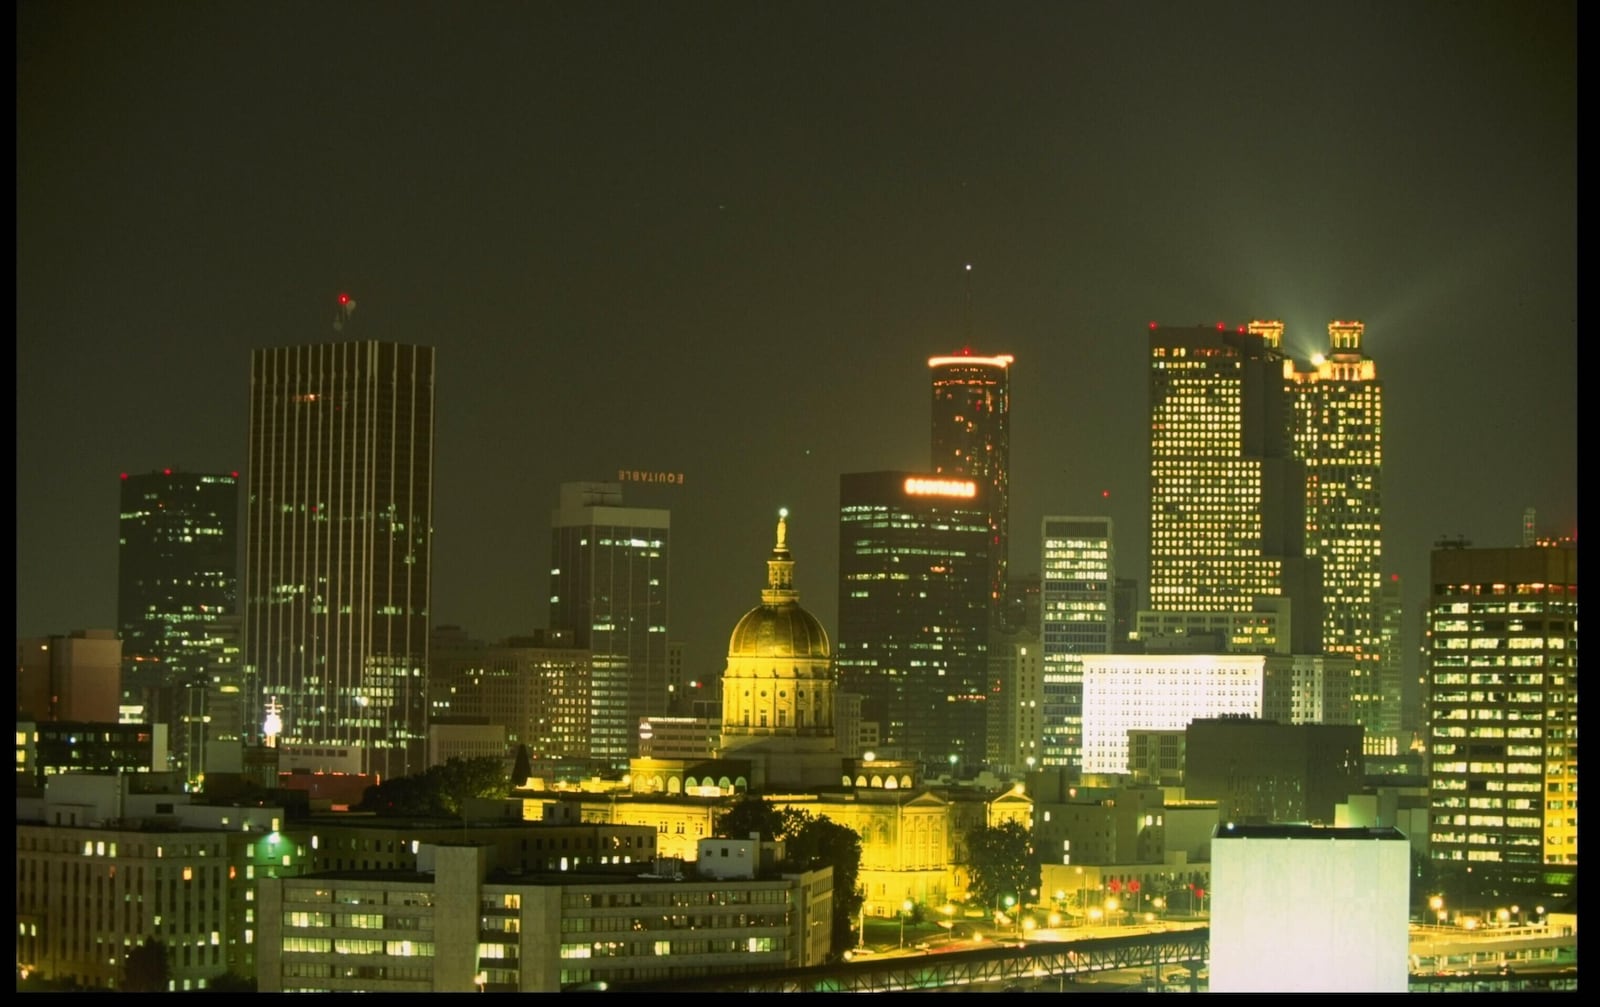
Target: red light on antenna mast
{"points": [[1105, 494], [1152, 325], [166, 472], [1220, 326], [124, 475], [344, 298]]}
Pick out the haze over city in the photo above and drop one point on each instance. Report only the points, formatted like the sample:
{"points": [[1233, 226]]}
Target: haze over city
{"points": [[723, 240]]}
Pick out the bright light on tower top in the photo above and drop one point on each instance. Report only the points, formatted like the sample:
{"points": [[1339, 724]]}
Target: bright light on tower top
{"points": [[1003, 360]]}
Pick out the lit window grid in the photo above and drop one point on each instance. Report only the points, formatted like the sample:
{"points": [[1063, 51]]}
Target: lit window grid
{"points": [[1502, 729]]}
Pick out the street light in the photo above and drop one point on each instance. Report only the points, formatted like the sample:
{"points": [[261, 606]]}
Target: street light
{"points": [[1436, 903], [482, 979], [905, 910]]}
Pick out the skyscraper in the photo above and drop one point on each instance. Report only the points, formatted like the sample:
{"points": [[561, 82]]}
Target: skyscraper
{"points": [[1502, 691], [177, 576], [339, 534], [1227, 495], [915, 609], [972, 440], [610, 588], [1077, 580], [1338, 433]]}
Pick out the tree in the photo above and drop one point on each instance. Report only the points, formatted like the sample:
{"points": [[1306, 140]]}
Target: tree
{"points": [[1001, 863], [144, 970], [523, 768], [439, 791], [752, 814], [823, 841], [230, 982]]}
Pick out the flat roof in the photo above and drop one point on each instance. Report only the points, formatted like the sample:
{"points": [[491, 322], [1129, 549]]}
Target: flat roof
{"points": [[1303, 830]]}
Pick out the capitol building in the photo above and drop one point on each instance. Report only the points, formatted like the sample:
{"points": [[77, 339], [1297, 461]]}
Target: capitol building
{"points": [[779, 742]]}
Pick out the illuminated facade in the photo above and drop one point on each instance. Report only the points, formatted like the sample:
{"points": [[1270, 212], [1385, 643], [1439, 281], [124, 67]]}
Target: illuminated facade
{"points": [[1227, 495], [609, 588], [1502, 691], [535, 687], [1301, 909], [464, 926], [914, 611], [1338, 433], [338, 546], [972, 440], [1166, 692], [1077, 616], [778, 687], [177, 576], [102, 867]]}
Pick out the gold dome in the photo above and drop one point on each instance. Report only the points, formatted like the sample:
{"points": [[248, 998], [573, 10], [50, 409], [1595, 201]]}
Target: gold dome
{"points": [[779, 627], [784, 630]]}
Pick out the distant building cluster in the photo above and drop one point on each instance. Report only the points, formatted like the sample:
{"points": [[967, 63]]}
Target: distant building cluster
{"points": [[189, 777]]}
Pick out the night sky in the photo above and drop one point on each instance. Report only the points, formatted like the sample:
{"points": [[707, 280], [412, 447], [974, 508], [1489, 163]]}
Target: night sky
{"points": [[723, 239]]}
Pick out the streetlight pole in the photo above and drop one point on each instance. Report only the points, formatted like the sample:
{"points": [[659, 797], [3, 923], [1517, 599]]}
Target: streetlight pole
{"points": [[905, 910]]}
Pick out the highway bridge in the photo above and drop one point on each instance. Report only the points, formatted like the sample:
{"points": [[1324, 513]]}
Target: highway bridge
{"points": [[993, 965]]}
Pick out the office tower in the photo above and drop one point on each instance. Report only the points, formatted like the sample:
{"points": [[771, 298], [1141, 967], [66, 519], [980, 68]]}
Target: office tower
{"points": [[972, 440], [535, 687], [1125, 605], [1125, 693], [1021, 610], [72, 676], [609, 587], [914, 611], [1338, 434], [338, 543], [1016, 701], [1502, 687], [1391, 719], [1077, 591], [1227, 496], [177, 576]]}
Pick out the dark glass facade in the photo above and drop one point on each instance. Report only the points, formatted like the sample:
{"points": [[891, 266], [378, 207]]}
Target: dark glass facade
{"points": [[338, 547], [915, 610], [609, 588], [972, 439], [177, 579]]}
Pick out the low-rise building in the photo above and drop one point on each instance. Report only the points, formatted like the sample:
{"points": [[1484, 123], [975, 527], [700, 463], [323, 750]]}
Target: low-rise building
{"points": [[459, 924]]}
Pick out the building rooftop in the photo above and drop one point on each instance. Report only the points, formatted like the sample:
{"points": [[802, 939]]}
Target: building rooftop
{"points": [[1303, 830]]}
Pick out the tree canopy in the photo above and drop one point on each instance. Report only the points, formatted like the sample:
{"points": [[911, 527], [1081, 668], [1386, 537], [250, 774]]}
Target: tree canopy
{"points": [[439, 791], [1002, 863], [144, 970]]}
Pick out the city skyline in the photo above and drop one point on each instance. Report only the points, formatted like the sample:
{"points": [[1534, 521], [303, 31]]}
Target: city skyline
{"points": [[739, 273]]}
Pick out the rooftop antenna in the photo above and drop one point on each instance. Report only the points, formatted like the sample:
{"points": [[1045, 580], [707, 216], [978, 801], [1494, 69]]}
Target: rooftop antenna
{"points": [[347, 307], [967, 321]]}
